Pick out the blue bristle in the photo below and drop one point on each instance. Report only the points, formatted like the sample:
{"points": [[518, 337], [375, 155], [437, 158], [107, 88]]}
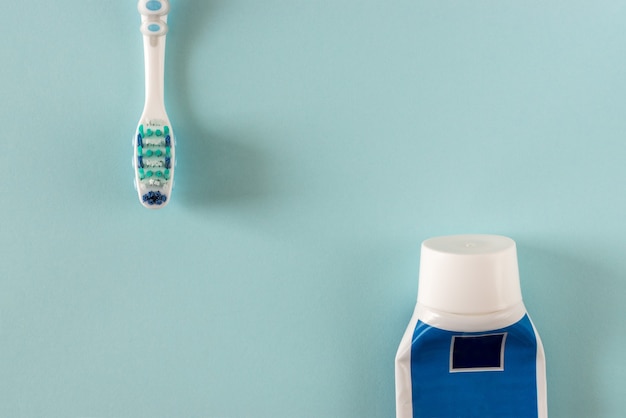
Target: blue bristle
{"points": [[167, 141], [140, 161], [167, 162], [153, 198], [139, 142]]}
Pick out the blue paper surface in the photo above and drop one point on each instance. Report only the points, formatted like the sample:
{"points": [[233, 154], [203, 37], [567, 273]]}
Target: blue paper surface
{"points": [[319, 142]]}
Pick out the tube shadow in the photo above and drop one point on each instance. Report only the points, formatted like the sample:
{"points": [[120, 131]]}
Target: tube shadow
{"points": [[569, 299]]}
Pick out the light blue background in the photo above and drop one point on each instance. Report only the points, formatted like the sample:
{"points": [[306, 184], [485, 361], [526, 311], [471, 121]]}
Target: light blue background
{"points": [[319, 142]]}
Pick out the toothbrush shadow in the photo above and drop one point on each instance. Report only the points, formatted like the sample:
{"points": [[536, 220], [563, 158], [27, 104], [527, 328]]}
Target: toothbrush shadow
{"points": [[214, 167], [217, 169]]}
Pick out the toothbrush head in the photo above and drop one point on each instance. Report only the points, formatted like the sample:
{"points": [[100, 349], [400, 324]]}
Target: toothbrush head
{"points": [[153, 163]]}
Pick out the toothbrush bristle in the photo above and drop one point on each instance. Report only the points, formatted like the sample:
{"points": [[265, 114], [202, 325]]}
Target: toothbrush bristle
{"points": [[154, 198], [153, 163]]}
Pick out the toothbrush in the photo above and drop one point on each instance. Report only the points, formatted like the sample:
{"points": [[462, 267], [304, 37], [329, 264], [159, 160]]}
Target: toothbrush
{"points": [[153, 158]]}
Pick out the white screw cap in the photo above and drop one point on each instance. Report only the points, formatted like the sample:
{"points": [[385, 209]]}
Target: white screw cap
{"points": [[469, 274]]}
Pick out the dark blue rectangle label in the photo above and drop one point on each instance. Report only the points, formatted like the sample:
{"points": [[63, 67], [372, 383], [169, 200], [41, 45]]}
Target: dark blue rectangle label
{"points": [[474, 375]]}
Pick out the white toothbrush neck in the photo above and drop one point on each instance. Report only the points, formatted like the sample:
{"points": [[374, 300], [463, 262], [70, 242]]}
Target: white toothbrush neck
{"points": [[154, 28], [154, 60]]}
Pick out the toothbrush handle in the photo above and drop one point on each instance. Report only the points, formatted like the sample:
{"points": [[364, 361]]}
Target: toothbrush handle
{"points": [[154, 28], [154, 62]]}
